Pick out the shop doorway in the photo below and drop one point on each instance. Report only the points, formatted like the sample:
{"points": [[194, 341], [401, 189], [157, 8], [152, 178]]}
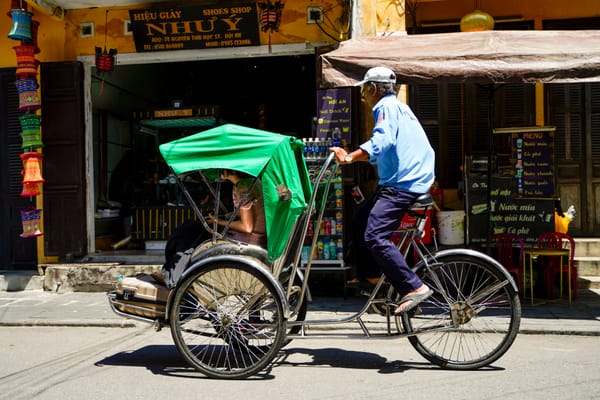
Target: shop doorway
{"points": [[276, 93]]}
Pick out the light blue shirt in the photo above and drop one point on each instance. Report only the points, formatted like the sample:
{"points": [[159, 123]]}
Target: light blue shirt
{"points": [[400, 148]]}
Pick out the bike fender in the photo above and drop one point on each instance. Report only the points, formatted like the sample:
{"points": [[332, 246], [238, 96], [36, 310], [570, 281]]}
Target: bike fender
{"points": [[470, 253], [249, 261]]}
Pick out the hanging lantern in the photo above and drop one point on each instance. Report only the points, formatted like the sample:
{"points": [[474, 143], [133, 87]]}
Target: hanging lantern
{"points": [[28, 96], [105, 62], [27, 65], [30, 130], [21, 25], [32, 170], [31, 218], [30, 190], [477, 21]]}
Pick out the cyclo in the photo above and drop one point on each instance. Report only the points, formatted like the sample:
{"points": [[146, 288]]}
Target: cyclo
{"points": [[237, 305]]}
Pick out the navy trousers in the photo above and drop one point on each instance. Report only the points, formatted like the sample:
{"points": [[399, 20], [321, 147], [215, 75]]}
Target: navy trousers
{"points": [[373, 225]]}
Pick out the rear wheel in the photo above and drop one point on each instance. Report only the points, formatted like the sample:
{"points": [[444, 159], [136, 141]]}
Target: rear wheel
{"points": [[227, 320], [472, 318]]}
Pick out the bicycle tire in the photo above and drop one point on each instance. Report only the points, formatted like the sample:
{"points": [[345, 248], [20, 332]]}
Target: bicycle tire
{"points": [[227, 320], [472, 318]]}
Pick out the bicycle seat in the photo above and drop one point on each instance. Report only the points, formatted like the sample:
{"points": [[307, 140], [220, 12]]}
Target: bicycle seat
{"points": [[424, 200]]}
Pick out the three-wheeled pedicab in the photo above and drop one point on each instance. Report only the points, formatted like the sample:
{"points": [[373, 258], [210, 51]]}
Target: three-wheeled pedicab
{"points": [[236, 304]]}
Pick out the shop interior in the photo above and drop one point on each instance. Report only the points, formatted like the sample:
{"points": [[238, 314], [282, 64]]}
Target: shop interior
{"points": [[277, 94]]}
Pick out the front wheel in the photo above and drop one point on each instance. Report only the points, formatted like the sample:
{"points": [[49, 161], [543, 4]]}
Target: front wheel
{"points": [[472, 318], [227, 320]]}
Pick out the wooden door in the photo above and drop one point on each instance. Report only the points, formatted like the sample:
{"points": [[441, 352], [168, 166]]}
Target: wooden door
{"points": [[63, 134], [575, 111]]}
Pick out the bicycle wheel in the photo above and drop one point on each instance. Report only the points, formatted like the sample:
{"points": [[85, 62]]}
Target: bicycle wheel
{"points": [[227, 320], [472, 318]]}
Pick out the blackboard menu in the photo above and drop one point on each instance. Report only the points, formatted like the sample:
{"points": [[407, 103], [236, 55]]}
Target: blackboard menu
{"points": [[533, 159], [527, 217]]}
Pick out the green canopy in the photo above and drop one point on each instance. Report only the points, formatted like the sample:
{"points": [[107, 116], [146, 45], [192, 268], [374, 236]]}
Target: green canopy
{"points": [[277, 157]]}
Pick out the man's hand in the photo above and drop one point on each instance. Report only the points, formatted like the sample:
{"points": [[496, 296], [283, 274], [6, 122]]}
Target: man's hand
{"points": [[340, 154]]}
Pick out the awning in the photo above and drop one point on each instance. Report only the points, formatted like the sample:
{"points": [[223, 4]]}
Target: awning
{"points": [[475, 57]]}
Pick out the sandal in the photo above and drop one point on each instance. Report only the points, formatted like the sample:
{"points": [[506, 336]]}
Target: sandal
{"points": [[410, 301]]}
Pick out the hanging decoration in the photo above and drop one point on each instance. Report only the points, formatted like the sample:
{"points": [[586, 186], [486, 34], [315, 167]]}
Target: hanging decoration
{"points": [[30, 190], [32, 168], [270, 17], [21, 25], [28, 95], [105, 61], [476, 21], [27, 65], [30, 131], [25, 30], [31, 218]]}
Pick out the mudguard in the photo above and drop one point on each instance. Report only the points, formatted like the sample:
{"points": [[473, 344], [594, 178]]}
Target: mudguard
{"points": [[213, 257], [438, 256]]}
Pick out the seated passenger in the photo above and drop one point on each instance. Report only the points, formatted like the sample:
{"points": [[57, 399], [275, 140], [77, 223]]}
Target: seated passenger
{"points": [[250, 227]]}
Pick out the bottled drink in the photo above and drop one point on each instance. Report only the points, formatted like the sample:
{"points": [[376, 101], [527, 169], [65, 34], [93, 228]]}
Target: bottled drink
{"points": [[326, 248], [320, 249], [340, 249], [337, 137], [333, 250]]}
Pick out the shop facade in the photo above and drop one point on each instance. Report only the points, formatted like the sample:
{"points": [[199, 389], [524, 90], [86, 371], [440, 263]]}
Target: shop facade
{"points": [[97, 110], [125, 78]]}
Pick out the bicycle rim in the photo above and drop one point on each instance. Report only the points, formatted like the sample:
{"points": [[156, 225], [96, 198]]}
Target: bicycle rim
{"points": [[227, 321], [472, 318]]}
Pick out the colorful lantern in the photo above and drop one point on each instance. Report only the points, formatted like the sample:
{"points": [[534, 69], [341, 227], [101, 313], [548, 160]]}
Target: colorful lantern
{"points": [[30, 130], [32, 170], [28, 96], [105, 62], [30, 190], [21, 25], [27, 65], [30, 219]]}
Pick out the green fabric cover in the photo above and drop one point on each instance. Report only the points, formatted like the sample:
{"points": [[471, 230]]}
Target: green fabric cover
{"points": [[278, 157]]}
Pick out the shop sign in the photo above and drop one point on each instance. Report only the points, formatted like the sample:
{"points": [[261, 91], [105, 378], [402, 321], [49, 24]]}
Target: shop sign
{"points": [[197, 27], [334, 113], [174, 113]]}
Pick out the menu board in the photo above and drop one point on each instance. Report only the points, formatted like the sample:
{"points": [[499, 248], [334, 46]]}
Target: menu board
{"points": [[533, 159], [527, 217]]}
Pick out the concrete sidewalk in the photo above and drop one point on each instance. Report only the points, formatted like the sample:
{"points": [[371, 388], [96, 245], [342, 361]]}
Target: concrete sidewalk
{"points": [[44, 308]]}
